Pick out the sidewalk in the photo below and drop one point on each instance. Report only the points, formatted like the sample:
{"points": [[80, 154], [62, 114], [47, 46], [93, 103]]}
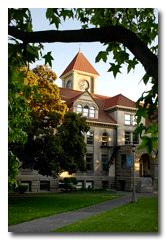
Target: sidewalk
{"points": [[47, 224]]}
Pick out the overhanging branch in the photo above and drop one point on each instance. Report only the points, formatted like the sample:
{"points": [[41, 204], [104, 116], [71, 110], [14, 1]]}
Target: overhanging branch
{"points": [[105, 34]]}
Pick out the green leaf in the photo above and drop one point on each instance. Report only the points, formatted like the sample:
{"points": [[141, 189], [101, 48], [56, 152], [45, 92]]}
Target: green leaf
{"points": [[115, 69], [33, 50], [101, 55], [141, 112], [146, 143], [153, 129], [120, 56], [146, 78], [55, 20], [132, 64], [139, 130], [48, 58], [149, 144], [49, 13]]}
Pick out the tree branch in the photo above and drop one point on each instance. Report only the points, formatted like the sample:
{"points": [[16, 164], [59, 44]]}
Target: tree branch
{"points": [[105, 34]]}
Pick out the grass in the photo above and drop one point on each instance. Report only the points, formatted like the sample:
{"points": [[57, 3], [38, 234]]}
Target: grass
{"points": [[62, 193], [140, 217], [23, 209]]}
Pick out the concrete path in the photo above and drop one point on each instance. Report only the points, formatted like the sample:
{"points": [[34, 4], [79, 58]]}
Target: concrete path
{"points": [[47, 224]]}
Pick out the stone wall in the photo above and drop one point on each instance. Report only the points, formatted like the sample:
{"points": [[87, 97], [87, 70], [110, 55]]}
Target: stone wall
{"points": [[123, 173]]}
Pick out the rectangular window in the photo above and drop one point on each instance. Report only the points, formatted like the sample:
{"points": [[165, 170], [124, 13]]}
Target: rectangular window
{"points": [[134, 122], [79, 108], [28, 183], [61, 184], [86, 111], [127, 138], [89, 162], [90, 137], [105, 184], [127, 119], [89, 184], [45, 185], [105, 139], [104, 162], [92, 112], [80, 184], [123, 160], [135, 140]]}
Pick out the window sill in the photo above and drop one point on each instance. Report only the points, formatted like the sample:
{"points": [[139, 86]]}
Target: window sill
{"points": [[130, 144], [105, 146], [130, 125]]}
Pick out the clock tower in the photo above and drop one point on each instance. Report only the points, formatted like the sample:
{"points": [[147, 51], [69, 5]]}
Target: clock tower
{"points": [[80, 75]]}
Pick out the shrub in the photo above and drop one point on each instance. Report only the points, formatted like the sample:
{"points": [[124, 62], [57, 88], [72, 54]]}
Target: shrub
{"points": [[68, 186], [67, 183], [67, 180], [74, 180], [23, 188]]}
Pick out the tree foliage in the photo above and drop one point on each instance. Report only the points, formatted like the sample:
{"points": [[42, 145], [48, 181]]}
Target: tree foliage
{"points": [[72, 135], [19, 54], [55, 140], [18, 110]]}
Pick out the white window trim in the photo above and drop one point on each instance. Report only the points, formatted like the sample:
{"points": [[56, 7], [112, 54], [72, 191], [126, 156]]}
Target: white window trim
{"points": [[130, 122], [127, 121]]}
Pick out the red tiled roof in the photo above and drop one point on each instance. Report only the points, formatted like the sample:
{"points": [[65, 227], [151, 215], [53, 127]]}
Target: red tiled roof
{"points": [[119, 100], [103, 102], [70, 95], [80, 63]]}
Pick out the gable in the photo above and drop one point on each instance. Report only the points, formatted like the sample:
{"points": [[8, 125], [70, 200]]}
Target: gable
{"points": [[85, 98], [73, 97]]}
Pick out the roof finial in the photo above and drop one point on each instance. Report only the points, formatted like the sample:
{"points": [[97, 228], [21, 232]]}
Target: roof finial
{"points": [[79, 47]]}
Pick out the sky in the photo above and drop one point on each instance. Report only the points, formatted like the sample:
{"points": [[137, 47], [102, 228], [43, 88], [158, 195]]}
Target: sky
{"points": [[129, 85]]}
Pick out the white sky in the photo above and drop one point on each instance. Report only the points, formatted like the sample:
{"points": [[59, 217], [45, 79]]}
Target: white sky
{"points": [[63, 53]]}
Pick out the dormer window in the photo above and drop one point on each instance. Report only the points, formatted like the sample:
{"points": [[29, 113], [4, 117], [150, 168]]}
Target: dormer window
{"points": [[105, 139], [92, 112], [86, 111], [79, 108]]}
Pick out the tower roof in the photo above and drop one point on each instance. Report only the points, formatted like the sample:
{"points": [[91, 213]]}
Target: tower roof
{"points": [[80, 63]]}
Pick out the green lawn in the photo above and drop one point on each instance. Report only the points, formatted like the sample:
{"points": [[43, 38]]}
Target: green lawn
{"points": [[63, 193], [23, 209], [140, 217]]}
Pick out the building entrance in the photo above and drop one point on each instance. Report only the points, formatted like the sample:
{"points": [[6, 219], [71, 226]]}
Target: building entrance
{"points": [[145, 166]]}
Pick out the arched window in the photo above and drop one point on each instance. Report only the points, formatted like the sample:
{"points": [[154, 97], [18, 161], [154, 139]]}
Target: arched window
{"points": [[86, 111], [79, 108], [92, 112], [105, 139]]}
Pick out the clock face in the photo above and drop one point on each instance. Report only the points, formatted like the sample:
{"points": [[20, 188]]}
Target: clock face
{"points": [[83, 85], [69, 84]]}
